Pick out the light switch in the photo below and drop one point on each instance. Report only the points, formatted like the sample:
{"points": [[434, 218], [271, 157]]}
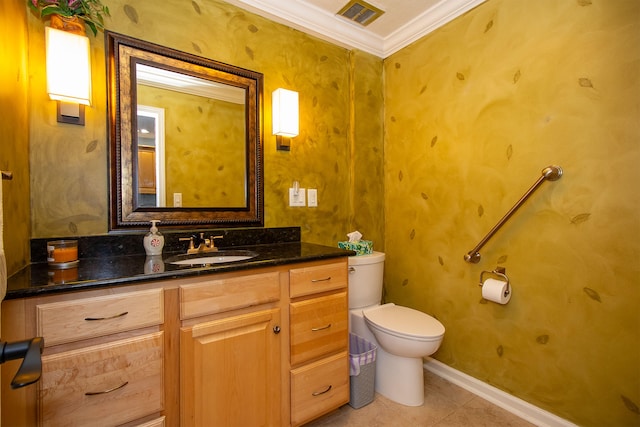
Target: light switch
{"points": [[297, 199], [312, 195], [177, 200]]}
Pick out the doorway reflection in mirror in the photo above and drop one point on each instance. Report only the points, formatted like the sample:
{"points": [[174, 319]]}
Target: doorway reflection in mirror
{"points": [[151, 155]]}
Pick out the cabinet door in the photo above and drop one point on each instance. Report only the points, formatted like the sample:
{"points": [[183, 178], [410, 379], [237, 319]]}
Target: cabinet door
{"points": [[230, 371], [146, 170]]}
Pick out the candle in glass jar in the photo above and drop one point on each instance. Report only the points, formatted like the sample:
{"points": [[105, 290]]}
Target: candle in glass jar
{"points": [[60, 251], [65, 254]]}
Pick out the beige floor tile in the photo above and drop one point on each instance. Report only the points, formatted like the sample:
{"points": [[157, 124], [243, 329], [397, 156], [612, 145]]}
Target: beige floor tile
{"points": [[480, 413], [445, 405], [438, 386]]}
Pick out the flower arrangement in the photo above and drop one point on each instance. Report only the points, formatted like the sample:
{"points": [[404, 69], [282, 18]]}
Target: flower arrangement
{"points": [[90, 11]]}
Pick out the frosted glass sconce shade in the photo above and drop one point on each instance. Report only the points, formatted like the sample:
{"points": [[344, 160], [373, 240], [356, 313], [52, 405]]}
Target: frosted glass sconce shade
{"points": [[285, 117], [68, 67]]}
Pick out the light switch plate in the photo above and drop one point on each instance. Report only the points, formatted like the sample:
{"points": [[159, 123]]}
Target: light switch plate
{"points": [[299, 199], [312, 196], [177, 200]]}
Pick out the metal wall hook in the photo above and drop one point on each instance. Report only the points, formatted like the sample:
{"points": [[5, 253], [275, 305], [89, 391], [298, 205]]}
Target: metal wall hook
{"points": [[500, 272], [7, 175]]}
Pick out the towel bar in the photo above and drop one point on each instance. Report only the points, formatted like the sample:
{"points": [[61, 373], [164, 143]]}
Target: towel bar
{"points": [[551, 173]]}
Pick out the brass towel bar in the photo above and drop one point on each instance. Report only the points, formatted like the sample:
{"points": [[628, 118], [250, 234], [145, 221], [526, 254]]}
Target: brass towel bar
{"points": [[7, 175], [551, 173]]}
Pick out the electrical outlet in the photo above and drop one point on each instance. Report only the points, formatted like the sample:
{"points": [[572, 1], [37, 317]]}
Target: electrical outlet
{"points": [[312, 195], [297, 199], [177, 200]]}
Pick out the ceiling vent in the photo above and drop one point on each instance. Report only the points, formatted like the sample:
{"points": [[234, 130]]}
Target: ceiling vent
{"points": [[361, 12]]}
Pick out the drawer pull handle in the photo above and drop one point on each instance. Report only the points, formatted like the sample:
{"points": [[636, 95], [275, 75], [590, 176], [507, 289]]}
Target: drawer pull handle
{"points": [[326, 279], [321, 329], [318, 393], [94, 393], [106, 318]]}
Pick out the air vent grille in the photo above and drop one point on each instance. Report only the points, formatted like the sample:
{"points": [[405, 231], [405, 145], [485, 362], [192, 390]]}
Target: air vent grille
{"points": [[361, 12]]}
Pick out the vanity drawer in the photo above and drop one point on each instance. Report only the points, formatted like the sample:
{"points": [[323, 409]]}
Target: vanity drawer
{"points": [[69, 321], [216, 296], [158, 422], [103, 369], [319, 387], [319, 326], [311, 280]]}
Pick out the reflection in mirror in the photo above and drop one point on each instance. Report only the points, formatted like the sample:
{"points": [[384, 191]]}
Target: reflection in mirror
{"points": [[185, 138], [151, 172], [222, 108]]}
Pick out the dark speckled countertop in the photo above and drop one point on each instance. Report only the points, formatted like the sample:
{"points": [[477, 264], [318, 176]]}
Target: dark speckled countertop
{"points": [[113, 266]]}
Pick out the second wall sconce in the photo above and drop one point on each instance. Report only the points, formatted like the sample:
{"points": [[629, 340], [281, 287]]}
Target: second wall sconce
{"points": [[285, 117], [68, 73]]}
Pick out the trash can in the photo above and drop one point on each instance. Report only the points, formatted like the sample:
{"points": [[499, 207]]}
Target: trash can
{"points": [[362, 360]]}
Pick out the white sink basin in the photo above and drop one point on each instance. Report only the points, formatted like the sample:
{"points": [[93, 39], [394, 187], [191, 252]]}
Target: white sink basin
{"points": [[211, 258]]}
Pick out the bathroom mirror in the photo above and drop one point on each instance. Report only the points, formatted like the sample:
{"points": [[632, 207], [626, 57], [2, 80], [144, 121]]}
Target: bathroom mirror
{"points": [[185, 138]]}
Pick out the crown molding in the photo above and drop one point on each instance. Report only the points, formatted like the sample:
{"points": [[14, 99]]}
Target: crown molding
{"points": [[328, 26], [312, 20], [435, 17]]}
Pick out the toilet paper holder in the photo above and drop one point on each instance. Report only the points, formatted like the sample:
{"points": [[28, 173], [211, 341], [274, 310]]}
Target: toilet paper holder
{"points": [[501, 272]]}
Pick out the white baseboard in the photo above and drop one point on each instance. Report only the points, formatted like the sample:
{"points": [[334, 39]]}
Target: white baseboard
{"points": [[506, 401]]}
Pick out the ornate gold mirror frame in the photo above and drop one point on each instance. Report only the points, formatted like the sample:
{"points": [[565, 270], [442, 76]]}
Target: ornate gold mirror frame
{"points": [[125, 55]]}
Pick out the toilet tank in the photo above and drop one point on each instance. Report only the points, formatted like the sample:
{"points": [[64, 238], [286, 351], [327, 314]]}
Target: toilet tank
{"points": [[365, 279]]}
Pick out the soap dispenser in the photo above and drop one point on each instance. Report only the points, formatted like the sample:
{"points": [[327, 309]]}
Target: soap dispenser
{"points": [[153, 240]]}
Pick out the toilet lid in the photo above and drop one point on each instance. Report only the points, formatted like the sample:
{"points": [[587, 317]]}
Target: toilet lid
{"points": [[405, 321]]}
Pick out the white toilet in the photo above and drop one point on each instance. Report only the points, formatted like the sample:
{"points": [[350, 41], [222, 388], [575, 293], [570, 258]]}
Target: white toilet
{"points": [[403, 335]]}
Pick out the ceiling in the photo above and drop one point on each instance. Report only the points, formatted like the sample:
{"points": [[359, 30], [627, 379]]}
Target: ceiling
{"points": [[403, 22]]}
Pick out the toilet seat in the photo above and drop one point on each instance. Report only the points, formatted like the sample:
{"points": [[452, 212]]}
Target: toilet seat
{"points": [[405, 322]]}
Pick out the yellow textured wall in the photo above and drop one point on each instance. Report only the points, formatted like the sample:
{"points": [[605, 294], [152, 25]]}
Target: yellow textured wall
{"points": [[14, 132], [69, 168], [69, 194], [367, 149], [474, 112]]}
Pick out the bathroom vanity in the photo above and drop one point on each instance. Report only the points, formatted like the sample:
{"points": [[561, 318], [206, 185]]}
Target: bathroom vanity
{"points": [[259, 342]]}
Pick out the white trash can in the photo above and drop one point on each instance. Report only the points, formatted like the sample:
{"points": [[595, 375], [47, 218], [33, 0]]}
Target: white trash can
{"points": [[362, 360]]}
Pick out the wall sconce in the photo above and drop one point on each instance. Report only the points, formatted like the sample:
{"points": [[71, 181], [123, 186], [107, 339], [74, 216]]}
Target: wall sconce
{"points": [[285, 117], [68, 74]]}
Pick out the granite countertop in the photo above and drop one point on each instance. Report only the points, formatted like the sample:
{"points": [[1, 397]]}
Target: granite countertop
{"points": [[39, 278]]}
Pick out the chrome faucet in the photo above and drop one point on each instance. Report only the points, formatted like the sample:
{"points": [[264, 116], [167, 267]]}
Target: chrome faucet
{"points": [[201, 244]]}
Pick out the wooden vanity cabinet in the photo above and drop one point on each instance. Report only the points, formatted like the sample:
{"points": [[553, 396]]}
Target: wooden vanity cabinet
{"points": [[260, 347]]}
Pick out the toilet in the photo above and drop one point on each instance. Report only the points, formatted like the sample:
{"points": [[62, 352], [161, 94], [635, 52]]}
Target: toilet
{"points": [[403, 335]]}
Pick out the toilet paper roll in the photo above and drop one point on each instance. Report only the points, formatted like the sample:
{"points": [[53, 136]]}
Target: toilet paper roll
{"points": [[496, 291]]}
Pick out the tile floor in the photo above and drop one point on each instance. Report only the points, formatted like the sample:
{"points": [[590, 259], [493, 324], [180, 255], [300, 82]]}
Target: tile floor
{"points": [[446, 405]]}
